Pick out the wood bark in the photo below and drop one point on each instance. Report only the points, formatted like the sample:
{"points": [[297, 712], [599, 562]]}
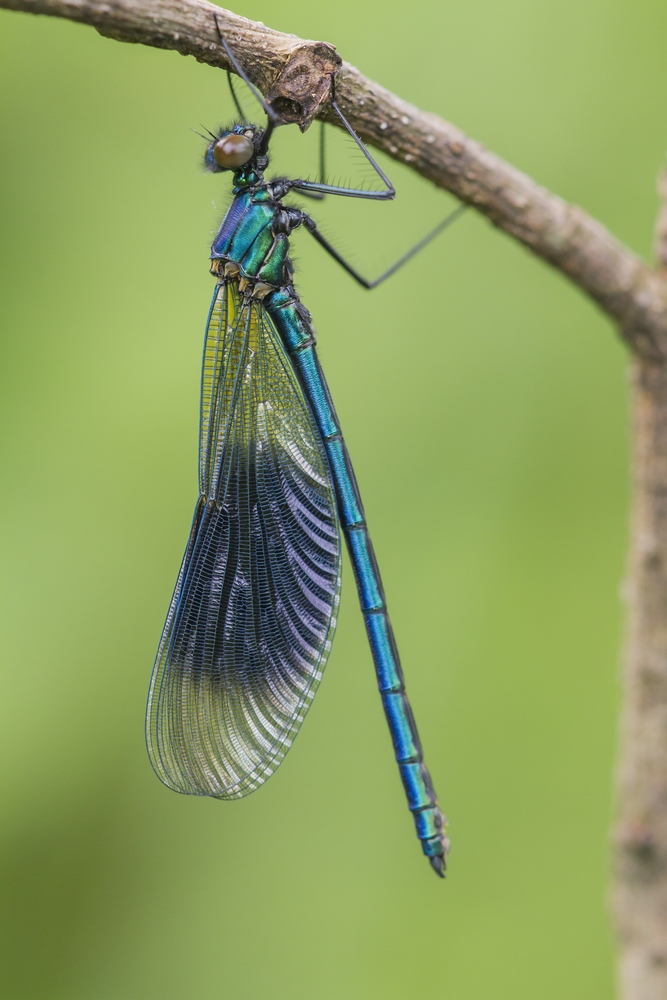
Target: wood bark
{"points": [[640, 894], [296, 74]]}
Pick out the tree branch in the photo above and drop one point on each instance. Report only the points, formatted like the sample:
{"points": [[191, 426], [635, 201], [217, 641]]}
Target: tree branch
{"points": [[296, 75], [640, 897], [661, 223]]}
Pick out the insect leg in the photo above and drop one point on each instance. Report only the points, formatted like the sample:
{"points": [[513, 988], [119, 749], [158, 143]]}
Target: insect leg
{"points": [[311, 226], [386, 195], [323, 172], [237, 103], [270, 113]]}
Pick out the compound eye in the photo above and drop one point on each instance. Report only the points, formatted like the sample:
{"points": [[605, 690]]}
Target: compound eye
{"points": [[233, 151]]}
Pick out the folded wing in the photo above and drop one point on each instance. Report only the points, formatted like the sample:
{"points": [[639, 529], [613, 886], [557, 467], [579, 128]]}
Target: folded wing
{"points": [[254, 610]]}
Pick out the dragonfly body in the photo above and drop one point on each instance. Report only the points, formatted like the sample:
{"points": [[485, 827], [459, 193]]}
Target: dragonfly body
{"points": [[254, 610]]}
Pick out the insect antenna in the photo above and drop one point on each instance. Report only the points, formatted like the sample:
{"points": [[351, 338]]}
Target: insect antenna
{"points": [[209, 135], [204, 137]]}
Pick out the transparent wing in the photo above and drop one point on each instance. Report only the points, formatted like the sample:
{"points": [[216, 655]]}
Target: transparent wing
{"points": [[254, 610]]}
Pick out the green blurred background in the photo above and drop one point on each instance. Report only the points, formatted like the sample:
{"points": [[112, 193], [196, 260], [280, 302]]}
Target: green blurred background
{"points": [[485, 405]]}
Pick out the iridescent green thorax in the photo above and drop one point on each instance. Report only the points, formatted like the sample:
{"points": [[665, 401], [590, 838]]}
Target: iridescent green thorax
{"points": [[247, 237], [245, 178]]}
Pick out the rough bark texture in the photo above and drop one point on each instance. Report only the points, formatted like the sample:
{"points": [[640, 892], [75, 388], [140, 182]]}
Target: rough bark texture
{"points": [[641, 894], [297, 76], [661, 225], [640, 897]]}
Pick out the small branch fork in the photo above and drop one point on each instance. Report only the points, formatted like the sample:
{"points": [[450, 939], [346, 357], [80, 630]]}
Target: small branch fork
{"points": [[295, 75]]}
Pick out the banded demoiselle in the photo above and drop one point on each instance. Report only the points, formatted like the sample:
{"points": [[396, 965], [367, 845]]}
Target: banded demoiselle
{"points": [[254, 610]]}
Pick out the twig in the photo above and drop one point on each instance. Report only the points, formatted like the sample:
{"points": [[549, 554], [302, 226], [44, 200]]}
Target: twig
{"points": [[640, 896], [661, 223], [296, 72]]}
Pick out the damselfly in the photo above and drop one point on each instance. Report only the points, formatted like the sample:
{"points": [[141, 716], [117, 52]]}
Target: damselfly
{"points": [[254, 610]]}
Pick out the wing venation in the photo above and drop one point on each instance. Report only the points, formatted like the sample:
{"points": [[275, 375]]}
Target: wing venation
{"points": [[251, 621]]}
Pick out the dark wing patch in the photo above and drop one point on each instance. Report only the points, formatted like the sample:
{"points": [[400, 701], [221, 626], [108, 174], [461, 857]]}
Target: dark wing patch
{"points": [[254, 610]]}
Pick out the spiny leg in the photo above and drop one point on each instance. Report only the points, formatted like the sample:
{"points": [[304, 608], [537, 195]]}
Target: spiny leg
{"points": [[311, 226]]}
